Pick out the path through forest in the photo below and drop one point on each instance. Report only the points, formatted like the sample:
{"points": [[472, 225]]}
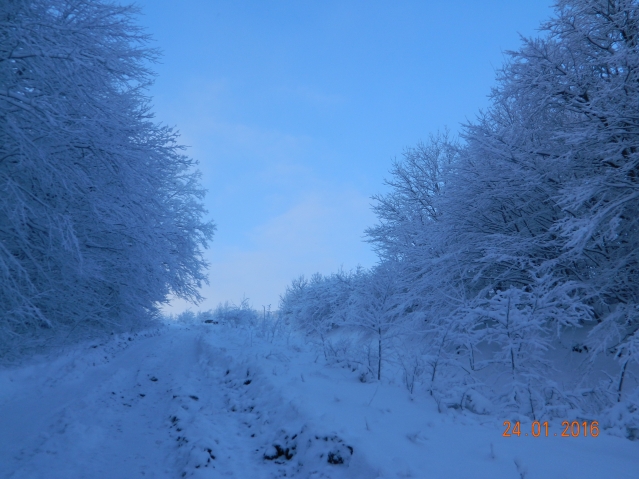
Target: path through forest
{"points": [[212, 401]]}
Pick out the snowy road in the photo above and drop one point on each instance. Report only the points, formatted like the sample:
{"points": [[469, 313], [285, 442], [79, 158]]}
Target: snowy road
{"points": [[165, 405], [206, 401]]}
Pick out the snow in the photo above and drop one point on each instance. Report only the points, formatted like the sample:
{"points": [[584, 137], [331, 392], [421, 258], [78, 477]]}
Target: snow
{"points": [[206, 400]]}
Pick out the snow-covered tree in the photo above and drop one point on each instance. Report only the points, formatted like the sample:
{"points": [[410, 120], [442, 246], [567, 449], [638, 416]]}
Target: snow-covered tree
{"points": [[543, 198], [540, 202], [100, 211], [377, 308], [319, 305], [590, 68], [527, 230], [564, 119], [409, 209]]}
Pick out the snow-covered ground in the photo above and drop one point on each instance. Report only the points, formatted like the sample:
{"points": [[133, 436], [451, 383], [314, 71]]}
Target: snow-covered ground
{"points": [[211, 401]]}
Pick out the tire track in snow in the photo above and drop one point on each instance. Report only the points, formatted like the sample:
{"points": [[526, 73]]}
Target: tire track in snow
{"points": [[281, 440], [166, 405]]}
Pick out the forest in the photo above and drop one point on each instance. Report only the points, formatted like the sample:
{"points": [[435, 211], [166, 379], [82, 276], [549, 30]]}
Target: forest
{"points": [[508, 272], [506, 285], [101, 215]]}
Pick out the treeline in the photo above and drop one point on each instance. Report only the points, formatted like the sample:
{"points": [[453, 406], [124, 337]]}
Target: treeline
{"points": [[100, 211], [265, 325], [509, 258]]}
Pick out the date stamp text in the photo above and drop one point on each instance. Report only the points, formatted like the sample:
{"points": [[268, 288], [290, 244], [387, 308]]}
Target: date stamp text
{"points": [[570, 429]]}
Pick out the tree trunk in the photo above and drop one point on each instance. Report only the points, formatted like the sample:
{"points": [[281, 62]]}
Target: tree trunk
{"points": [[621, 378], [379, 356]]}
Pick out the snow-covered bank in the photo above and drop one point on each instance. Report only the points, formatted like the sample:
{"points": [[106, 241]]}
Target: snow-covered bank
{"points": [[211, 401]]}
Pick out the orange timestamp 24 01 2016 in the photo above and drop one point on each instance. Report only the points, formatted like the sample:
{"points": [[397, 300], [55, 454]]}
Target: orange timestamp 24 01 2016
{"points": [[570, 429]]}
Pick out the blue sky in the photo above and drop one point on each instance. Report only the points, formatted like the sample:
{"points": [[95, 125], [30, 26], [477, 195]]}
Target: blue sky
{"points": [[295, 110]]}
